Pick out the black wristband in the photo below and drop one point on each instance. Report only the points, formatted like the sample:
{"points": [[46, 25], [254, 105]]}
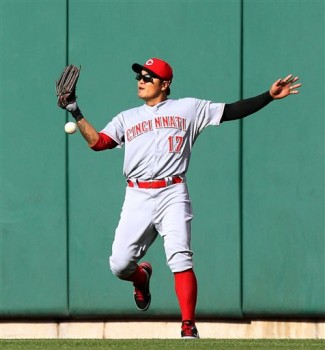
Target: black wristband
{"points": [[77, 115]]}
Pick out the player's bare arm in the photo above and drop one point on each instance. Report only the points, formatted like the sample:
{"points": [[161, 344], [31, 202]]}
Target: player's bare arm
{"points": [[88, 132], [96, 140]]}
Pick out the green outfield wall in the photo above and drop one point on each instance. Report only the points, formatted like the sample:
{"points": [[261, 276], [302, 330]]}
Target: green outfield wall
{"points": [[257, 185]]}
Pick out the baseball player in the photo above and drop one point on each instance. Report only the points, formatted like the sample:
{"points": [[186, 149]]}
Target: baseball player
{"points": [[158, 138]]}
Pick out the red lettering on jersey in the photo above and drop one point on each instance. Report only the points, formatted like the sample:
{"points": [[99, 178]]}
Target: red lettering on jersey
{"points": [[172, 122], [128, 135], [157, 123], [150, 125], [184, 124], [165, 122], [146, 126], [138, 129]]}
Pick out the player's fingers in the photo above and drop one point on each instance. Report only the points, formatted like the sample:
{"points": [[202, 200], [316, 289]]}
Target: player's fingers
{"points": [[287, 78], [278, 82], [284, 82], [295, 86], [292, 80]]}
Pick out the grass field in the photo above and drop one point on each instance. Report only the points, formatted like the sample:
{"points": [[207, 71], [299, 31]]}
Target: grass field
{"points": [[202, 344]]}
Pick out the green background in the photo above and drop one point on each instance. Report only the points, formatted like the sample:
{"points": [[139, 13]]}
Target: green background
{"points": [[257, 185]]}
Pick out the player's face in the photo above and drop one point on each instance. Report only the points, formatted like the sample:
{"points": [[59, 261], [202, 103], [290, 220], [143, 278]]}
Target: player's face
{"points": [[150, 89]]}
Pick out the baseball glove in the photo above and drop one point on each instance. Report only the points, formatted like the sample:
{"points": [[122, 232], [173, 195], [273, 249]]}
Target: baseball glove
{"points": [[66, 86]]}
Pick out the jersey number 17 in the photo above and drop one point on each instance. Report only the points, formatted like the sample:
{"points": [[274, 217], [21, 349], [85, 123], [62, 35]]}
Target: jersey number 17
{"points": [[175, 143]]}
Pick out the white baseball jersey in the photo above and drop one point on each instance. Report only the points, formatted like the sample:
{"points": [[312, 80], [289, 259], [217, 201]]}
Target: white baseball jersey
{"points": [[158, 140]]}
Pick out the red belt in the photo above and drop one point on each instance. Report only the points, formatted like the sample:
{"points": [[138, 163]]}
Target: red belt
{"points": [[155, 183]]}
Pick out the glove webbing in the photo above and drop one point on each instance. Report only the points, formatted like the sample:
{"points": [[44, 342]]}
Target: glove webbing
{"points": [[68, 80]]}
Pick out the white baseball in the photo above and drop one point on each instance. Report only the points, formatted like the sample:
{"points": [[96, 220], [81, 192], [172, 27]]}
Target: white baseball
{"points": [[70, 128]]}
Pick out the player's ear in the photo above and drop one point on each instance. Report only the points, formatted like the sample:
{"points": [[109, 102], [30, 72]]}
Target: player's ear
{"points": [[165, 84]]}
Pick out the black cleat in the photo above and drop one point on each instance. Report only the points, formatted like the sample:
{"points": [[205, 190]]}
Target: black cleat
{"points": [[142, 296], [189, 330]]}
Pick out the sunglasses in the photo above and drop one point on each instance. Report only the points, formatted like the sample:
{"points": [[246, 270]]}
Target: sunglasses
{"points": [[147, 78]]}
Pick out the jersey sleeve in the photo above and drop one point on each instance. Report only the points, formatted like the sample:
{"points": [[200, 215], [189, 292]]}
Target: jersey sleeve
{"points": [[104, 142], [115, 129], [207, 113]]}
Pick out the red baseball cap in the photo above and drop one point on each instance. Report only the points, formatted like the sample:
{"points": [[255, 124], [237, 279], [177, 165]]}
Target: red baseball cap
{"points": [[155, 66]]}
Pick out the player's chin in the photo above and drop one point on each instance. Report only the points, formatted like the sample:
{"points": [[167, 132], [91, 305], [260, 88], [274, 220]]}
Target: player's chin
{"points": [[141, 93]]}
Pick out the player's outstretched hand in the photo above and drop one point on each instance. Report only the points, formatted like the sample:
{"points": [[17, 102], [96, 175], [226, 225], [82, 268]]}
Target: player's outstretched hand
{"points": [[284, 87]]}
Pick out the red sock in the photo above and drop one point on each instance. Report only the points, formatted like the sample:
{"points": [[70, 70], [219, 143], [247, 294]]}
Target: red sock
{"points": [[186, 291], [139, 277]]}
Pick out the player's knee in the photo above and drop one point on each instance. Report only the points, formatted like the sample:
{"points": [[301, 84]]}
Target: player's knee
{"points": [[121, 268], [180, 261]]}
